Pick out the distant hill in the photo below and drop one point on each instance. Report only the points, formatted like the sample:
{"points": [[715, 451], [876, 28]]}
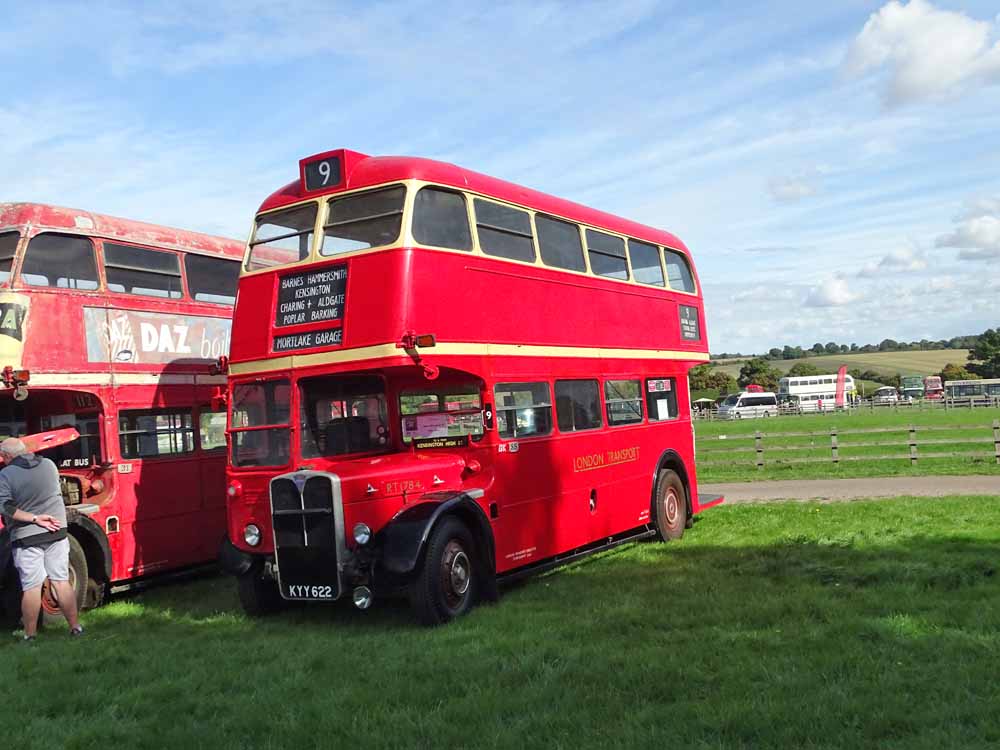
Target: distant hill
{"points": [[889, 363]]}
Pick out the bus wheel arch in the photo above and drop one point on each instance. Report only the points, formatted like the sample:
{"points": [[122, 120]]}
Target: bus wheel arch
{"points": [[670, 473], [94, 543]]}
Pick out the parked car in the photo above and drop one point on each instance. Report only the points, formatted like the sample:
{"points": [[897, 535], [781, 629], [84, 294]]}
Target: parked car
{"points": [[885, 395], [749, 405]]}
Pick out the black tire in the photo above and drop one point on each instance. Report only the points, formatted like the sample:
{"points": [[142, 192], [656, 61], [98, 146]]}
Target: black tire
{"points": [[447, 584], [669, 506], [79, 578], [10, 598], [259, 595]]}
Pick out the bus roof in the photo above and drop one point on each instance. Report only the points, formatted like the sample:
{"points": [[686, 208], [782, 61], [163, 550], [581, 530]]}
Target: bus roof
{"points": [[41, 215], [361, 170]]}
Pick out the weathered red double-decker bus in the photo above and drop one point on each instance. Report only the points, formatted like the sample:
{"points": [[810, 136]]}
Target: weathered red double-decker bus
{"points": [[113, 327], [440, 380]]}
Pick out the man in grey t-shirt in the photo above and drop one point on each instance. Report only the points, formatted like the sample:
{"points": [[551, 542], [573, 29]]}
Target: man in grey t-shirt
{"points": [[33, 509]]}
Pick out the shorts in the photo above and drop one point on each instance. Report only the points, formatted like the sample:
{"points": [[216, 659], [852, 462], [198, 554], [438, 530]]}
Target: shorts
{"points": [[35, 563]]}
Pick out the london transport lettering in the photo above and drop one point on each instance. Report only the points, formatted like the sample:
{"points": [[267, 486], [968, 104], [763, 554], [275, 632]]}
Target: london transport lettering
{"points": [[608, 458]]}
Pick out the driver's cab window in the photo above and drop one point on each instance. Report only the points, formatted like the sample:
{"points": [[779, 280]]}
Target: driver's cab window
{"points": [[342, 415], [446, 412]]}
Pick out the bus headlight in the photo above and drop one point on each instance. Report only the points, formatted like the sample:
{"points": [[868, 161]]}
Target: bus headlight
{"points": [[251, 534], [362, 533]]}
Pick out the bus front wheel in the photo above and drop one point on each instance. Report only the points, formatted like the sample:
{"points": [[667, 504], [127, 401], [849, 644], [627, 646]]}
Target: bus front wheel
{"points": [[670, 506], [79, 576], [258, 594], [445, 587]]}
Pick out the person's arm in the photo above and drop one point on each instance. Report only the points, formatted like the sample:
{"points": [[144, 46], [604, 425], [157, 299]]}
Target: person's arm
{"points": [[47, 522]]}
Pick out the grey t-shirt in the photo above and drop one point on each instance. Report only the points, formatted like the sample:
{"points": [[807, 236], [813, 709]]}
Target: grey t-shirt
{"points": [[31, 483]]}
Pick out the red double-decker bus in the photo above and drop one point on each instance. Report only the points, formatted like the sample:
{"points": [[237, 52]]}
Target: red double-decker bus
{"points": [[113, 327], [440, 380]]}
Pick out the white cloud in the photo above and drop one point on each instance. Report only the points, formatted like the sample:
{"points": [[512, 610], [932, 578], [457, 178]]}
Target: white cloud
{"points": [[897, 261], [927, 53], [834, 292], [978, 231], [793, 188]]}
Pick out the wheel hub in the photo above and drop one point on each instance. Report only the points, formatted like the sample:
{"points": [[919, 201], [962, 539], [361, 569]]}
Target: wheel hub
{"points": [[670, 506], [456, 572]]}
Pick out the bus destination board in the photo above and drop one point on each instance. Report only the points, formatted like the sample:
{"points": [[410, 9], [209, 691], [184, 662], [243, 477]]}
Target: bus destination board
{"points": [[309, 339], [690, 330], [311, 297]]}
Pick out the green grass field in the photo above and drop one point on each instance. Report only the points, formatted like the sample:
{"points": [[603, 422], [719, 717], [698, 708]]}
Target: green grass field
{"points": [[724, 457], [904, 363], [864, 624]]}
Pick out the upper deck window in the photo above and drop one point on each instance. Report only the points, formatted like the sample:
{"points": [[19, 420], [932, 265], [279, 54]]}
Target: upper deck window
{"points": [[607, 255], [645, 263], [212, 279], [559, 243], [678, 271], [440, 218], [504, 231], [363, 220], [8, 246], [136, 270], [60, 260], [282, 237]]}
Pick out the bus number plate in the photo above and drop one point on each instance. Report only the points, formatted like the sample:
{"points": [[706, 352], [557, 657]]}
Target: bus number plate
{"points": [[310, 592]]}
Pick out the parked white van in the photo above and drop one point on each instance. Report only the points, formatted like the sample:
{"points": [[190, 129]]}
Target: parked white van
{"points": [[748, 405]]}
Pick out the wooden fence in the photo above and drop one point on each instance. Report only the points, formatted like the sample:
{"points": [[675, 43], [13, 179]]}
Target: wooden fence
{"points": [[762, 452]]}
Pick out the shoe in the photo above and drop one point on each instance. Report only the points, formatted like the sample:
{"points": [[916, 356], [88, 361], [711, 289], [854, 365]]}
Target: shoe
{"points": [[76, 632], [29, 639]]}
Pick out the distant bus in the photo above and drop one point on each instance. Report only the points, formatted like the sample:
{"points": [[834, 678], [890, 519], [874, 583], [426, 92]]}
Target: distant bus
{"points": [[972, 392], [113, 327], [912, 386], [933, 387], [815, 392]]}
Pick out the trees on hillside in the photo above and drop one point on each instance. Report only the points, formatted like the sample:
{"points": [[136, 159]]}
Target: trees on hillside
{"points": [[987, 350], [758, 371], [957, 372], [803, 369], [707, 377]]}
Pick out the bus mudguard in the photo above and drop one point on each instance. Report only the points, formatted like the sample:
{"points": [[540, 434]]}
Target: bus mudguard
{"points": [[93, 540], [403, 539], [234, 561]]}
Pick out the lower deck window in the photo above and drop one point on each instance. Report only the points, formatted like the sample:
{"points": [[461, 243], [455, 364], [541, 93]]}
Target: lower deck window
{"points": [[341, 415], [661, 399], [147, 434], [624, 402], [451, 412], [578, 405], [523, 409]]}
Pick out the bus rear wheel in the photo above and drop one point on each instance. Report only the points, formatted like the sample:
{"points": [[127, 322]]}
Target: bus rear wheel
{"points": [[259, 595], [670, 506], [445, 587], [79, 577]]}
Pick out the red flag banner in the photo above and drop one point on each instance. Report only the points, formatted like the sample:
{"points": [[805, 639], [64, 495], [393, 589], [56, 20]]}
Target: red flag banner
{"points": [[841, 381]]}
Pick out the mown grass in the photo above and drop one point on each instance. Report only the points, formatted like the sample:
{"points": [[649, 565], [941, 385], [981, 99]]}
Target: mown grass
{"points": [[902, 363], [866, 624], [725, 454]]}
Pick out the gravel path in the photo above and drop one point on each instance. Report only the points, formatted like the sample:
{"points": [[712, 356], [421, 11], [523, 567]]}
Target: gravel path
{"points": [[851, 489]]}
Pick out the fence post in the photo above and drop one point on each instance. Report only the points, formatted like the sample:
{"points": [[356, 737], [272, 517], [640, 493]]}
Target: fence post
{"points": [[913, 445], [996, 439], [833, 445], [758, 443]]}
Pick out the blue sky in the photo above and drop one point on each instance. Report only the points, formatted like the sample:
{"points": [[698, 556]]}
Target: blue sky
{"points": [[834, 167]]}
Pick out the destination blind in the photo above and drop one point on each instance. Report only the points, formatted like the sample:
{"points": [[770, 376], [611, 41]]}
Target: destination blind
{"points": [[315, 296]]}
